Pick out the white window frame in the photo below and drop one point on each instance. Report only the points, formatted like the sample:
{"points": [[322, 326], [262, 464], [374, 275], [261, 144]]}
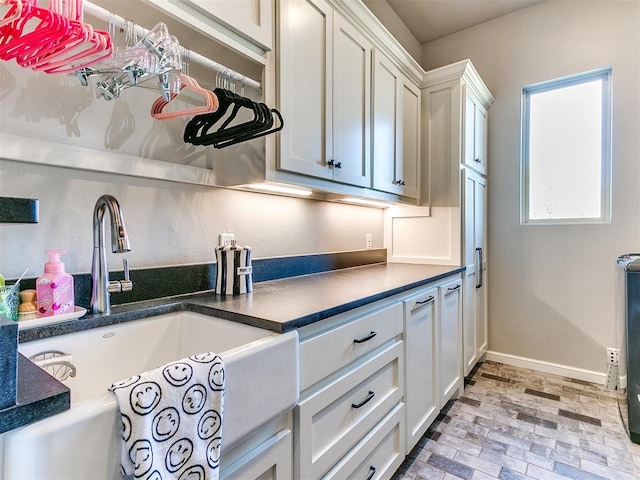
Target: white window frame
{"points": [[605, 75]]}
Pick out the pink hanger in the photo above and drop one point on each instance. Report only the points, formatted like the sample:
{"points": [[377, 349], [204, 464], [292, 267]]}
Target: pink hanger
{"points": [[20, 39], [14, 12], [67, 39], [83, 47], [211, 101]]}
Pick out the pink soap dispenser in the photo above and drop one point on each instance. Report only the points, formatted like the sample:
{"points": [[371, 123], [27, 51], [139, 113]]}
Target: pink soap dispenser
{"points": [[54, 289]]}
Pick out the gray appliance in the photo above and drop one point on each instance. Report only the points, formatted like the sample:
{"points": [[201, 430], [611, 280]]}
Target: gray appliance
{"points": [[628, 336]]}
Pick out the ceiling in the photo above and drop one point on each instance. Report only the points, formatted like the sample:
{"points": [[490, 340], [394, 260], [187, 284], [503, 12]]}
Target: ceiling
{"points": [[432, 19]]}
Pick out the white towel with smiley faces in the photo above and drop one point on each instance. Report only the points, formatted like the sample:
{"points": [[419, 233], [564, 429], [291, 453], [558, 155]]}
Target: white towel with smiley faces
{"points": [[172, 420]]}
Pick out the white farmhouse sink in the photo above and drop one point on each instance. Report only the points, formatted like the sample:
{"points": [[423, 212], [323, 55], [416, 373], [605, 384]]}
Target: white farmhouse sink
{"points": [[261, 371]]}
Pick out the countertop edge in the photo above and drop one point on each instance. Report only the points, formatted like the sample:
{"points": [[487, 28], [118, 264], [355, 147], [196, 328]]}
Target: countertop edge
{"points": [[39, 396]]}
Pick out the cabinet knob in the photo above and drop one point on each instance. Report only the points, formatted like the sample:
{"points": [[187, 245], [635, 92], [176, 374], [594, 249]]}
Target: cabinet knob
{"points": [[477, 160], [331, 163], [338, 164]]}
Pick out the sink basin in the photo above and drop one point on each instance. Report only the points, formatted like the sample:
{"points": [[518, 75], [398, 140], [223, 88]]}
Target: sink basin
{"points": [[261, 371]]}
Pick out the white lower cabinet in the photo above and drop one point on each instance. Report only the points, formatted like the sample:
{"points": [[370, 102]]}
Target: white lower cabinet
{"points": [[334, 419], [450, 340], [421, 361], [352, 378], [271, 460], [378, 455], [374, 379]]}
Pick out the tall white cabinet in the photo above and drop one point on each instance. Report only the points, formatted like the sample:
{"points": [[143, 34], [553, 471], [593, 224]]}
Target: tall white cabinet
{"points": [[451, 228], [475, 276], [456, 102]]}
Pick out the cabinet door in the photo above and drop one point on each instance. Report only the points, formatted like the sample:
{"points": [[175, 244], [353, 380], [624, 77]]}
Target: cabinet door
{"points": [[395, 131], [409, 174], [386, 128], [306, 72], [351, 104], [421, 397], [475, 134], [271, 460], [449, 336], [249, 18], [474, 254]]}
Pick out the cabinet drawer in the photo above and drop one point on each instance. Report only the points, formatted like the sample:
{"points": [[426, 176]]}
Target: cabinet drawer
{"points": [[326, 353], [378, 455], [338, 416]]}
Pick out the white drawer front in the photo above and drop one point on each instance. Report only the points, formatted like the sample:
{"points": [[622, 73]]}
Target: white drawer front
{"points": [[326, 353], [378, 455], [331, 421]]}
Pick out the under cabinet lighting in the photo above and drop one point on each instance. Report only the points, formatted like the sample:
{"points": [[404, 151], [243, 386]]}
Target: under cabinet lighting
{"points": [[271, 188], [366, 202]]}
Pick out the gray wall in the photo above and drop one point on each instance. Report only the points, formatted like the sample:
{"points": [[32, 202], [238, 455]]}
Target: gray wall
{"points": [[168, 223], [551, 288], [390, 19]]}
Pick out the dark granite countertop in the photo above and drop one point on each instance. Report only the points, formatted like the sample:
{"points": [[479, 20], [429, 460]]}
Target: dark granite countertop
{"points": [[278, 305]]}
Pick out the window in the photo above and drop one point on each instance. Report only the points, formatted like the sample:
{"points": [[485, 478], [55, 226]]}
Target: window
{"points": [[566, 159]]}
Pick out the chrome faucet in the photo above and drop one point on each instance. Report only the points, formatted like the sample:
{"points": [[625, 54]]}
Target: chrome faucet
{"points": [[100, 284]]}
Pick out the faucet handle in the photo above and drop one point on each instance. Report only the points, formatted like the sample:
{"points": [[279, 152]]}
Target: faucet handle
{"points": [[126, 284]]}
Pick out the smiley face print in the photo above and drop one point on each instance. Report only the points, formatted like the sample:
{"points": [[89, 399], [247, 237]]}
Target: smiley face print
{"points": [[178, 455], [209, 424], [193, 473], [126, 427], [194, 399], [144, 397], [165, 424], [214, 449], [178, 373], [216, 376], [206, 357], [141, 456], [125, 383]]}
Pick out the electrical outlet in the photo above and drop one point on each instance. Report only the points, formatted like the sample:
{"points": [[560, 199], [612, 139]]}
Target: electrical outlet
{"points": [[613, 356], [225, 239], [612, 376], [369, 241]]}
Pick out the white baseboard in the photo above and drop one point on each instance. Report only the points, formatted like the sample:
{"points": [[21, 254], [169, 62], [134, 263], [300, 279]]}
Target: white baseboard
{"points": [[548, 367]]}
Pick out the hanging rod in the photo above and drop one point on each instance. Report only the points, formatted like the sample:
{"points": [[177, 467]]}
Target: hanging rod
{"points": [[104, 14]]}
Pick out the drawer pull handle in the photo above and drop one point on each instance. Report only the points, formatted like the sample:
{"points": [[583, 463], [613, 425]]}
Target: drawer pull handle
{"points": [[370, 395], [428, 300], [451, 289], [372, 472], [365, 339]]}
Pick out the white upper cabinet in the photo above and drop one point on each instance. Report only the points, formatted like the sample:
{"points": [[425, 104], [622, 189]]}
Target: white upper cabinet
{"points": [[325, 78], [475, 142], [306, 69], [252, 19], [351, 104], [396, 126]]}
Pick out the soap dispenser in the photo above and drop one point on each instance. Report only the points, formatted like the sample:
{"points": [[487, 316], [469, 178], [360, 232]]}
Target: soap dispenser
{"points": [[54, 289]]}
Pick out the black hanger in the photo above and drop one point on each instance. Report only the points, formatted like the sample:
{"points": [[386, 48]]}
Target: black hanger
{"points": [[197, 130], [256, 135]]}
